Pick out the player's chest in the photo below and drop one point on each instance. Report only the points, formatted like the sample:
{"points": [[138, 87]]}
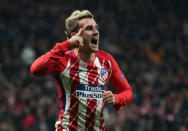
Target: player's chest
{"points": [[87, 74]]}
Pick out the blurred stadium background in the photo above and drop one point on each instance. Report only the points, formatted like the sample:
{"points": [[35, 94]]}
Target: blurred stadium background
{"points": [[148, 38]]}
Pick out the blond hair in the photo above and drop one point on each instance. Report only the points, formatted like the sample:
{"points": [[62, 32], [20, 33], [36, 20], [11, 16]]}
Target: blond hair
{"points": [[72, 22]]}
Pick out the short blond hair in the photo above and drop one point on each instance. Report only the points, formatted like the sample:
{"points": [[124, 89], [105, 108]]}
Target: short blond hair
{"points": [[72, 22]]}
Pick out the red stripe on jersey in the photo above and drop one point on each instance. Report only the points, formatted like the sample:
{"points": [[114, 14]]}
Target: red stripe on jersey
{"points": [[90, 114], [102, 120], [91, 103], [92, 75], [73, 119], [74, 102], [59, 129]]}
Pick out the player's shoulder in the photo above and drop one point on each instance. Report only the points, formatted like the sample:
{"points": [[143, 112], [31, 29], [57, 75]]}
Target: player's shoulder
{"points": [[104, 55]]}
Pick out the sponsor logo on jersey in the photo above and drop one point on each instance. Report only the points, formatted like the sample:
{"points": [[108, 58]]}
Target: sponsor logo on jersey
{"points": [[86, 91], [104, 73], [89, 95]]}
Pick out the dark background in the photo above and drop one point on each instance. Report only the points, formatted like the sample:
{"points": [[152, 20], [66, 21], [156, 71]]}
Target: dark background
{"points": [[148, 39]]}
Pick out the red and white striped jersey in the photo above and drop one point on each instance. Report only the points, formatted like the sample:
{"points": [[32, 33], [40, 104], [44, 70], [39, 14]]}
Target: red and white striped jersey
{"points": [[80, 86]]}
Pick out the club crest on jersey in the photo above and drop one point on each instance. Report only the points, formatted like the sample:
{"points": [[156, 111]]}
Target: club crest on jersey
{"points": [[104, 73]]}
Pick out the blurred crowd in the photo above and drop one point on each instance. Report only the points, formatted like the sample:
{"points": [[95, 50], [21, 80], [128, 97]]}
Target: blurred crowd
{"points": [[148, 39]]}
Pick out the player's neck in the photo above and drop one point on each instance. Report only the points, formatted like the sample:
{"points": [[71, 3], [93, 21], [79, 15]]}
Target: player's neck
{"points": [[85, 56]]}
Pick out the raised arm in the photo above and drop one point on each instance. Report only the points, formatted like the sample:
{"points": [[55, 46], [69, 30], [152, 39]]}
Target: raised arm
{"points": [[50, 63]]}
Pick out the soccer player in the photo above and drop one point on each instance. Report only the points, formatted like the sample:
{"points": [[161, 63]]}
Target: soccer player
{"points": [[81, 72]]}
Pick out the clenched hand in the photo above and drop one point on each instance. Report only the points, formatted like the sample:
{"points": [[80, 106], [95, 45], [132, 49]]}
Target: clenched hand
{"points": [[108, 97]]}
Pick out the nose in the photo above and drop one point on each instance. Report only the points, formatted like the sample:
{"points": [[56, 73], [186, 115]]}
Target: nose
{"points": [[96, 31]]}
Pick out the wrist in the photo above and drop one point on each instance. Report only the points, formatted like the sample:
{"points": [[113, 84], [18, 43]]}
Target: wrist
{"points": [[73, 43], [116, 99]]}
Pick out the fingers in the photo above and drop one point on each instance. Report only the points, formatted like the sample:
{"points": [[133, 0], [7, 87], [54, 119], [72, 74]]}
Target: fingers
{"points": [[81, 30], [77, 40], [108, 97]]}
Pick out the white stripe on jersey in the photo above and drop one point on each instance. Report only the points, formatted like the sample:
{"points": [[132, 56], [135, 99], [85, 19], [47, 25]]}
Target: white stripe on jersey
{"points": [[100, 101], [98, 64], [65, 75], [83, 102]]}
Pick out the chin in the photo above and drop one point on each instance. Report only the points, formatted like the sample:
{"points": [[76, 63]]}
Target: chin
{"points": [[94, 50]]}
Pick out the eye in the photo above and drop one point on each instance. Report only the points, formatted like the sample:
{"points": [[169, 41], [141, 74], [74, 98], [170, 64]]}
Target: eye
{"points": [[89, 28]]}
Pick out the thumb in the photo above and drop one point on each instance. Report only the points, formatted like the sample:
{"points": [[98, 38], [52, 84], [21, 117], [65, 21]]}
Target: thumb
{"points": [[81, 30]]}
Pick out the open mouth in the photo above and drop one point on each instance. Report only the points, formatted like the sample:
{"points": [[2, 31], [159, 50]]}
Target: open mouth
{"points": [[94, 41]]}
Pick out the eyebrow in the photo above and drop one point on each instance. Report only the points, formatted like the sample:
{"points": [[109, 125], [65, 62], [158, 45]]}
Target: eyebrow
{"points": [[91, 26]]}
